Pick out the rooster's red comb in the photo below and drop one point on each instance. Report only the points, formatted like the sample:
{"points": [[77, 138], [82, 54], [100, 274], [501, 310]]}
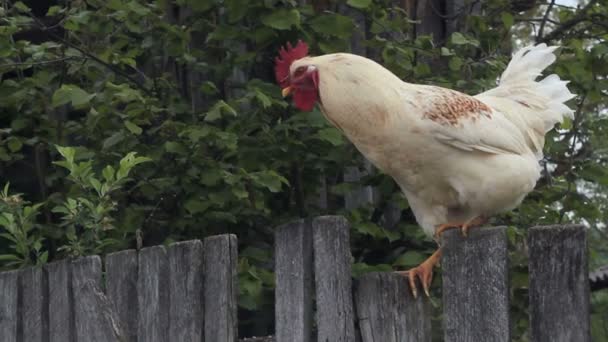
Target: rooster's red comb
{"points": [[285, 58]]}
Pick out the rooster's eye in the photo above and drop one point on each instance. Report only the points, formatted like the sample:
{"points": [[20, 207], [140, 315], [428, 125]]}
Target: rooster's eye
{"points": [[299, 71]]}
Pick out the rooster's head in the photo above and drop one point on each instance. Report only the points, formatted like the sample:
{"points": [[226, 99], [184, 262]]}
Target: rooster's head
{"points": [[297, 76]]}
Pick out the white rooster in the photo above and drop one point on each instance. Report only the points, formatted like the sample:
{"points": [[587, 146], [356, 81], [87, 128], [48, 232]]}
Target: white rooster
{"points": [[458, 159]]}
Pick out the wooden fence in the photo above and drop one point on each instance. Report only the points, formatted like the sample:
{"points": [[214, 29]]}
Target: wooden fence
{"points": [[187, 291]]}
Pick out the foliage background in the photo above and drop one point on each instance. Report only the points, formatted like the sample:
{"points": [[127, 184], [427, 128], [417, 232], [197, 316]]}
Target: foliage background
{"points": [[128, 123]]}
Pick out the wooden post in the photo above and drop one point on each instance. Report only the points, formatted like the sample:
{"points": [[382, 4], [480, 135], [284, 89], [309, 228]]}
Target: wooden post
{"points": [[220, 288], [333, 282], [61, 302], [186, 291], [387, 311], [293, 290], [559, 284], [34, 320], [153, 295], [95, 320], [121, 289], [9, 283], [475, 285]]}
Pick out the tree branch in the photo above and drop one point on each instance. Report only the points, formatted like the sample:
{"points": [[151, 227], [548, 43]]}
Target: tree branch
{"points": [[544, 21], [85, 53], [580, 17]]}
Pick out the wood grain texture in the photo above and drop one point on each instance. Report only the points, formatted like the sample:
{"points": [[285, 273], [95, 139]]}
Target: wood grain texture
{"points": [[186, 291], [61, 301], [293, 289], [333, 282], [95, 319], [9, 284], [121, 289], [220, 288], [475, 285], [153, 295], [34, 318], [387, 311], [559, 284]]}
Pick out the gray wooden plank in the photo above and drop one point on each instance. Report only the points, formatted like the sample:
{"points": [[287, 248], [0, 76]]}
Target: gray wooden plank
{"points": [[559, 284], [293, 288], [153, 295], [387, 311], [220, 288], [34, 318], [121, 289], [186, 291], [60, 308], [95, 319], [475, 285], [9, 284], [333, 282]]}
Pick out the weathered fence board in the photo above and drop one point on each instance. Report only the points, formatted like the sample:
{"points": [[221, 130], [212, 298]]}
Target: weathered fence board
{"points": [[34, 319], [559, 284], [121, 289], [60, 308], [185, 291], [475, 273], [189, 289], [153, 295], [220, 288], [95, 320], [9, 285], [387, 311], [333, 282], [293, 290]]}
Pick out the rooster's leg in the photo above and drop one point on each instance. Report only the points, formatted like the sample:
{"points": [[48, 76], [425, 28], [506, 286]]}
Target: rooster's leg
{"points": [[424, 272], [464, 227]]}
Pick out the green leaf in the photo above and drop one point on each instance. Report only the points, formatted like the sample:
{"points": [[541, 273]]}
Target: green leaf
{"points": [[459, 39], [361, 4], [201, 5], [269, 179], [175, 147], [113, 140], [108, 173], [282, 19], [133, 128], [66, 152], [333, 24], [455, 63], [21, 7], [14, 144], [69, 93], [507, 19], [219, 108], [332, 135], [409, 259]]}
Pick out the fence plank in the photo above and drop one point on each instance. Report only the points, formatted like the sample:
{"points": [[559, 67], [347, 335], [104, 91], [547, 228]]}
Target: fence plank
{"points": [[186, 291], [60, 308], [9, 283], [95, 320], [153, 295], [559, 284], [333, 282], [387, 311], [121, 289], [34, 319], [475, 285], [293, 290], [220, 288]]}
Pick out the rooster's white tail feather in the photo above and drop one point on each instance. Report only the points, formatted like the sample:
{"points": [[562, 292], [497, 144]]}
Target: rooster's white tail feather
{"points": [[546, 97]]}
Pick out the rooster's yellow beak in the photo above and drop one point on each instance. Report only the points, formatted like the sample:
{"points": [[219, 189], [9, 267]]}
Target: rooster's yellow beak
{"points": [[286, 91]]}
